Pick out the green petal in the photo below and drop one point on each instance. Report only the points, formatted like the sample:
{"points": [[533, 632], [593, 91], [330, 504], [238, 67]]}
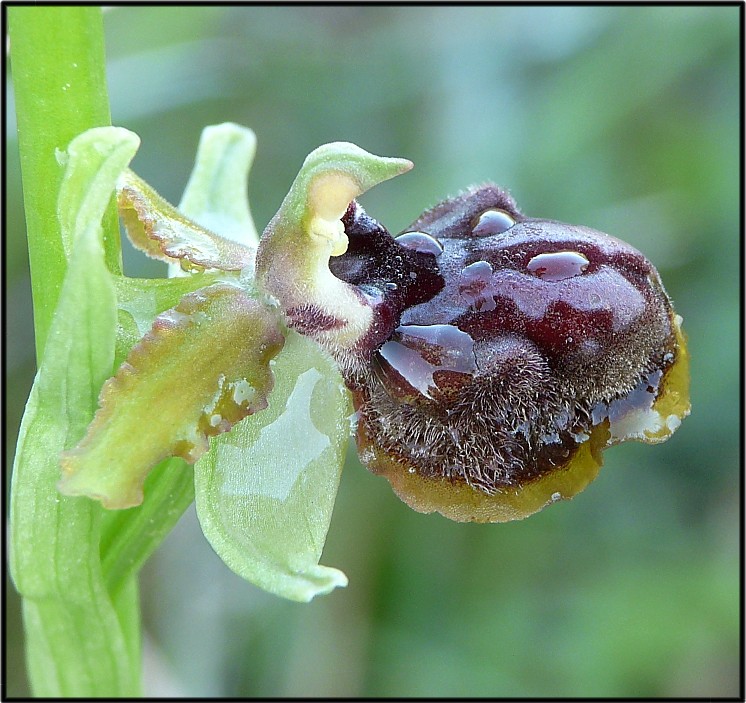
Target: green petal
{"points": [[162, 232], [215, 198], [265, 492], [203, 367], [293, 256]]}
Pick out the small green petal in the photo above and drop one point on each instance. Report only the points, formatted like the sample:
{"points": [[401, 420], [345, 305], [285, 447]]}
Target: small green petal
{"points": [[203, 367], [293, 256], [265, 491], [162, 232]]}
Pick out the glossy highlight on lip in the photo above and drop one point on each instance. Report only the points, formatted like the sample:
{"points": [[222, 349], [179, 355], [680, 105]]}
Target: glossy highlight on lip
{"points": [[558, 265], [492, 222], [474, 286], [420, 242], [412, 363]]}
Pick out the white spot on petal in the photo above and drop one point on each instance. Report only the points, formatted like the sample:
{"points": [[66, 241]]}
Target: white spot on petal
{"points": [[243, 392]]}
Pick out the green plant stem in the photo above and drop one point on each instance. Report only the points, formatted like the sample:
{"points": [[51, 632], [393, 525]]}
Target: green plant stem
{"points": [[57, 61], [78, 643], [129, 537]]}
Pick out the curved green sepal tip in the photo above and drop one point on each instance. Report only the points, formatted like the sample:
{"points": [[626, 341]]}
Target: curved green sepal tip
{"points": [[265, 491], [331, 177], [203, 367], [293, 255]]}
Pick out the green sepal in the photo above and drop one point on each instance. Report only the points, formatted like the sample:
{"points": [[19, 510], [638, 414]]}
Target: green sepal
{"points": [[265, 491], [216, 193], [203, 367], [79, 641]]}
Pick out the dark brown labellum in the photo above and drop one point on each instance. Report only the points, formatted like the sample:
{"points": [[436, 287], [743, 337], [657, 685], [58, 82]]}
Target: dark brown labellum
{"points": [[506, 352]]}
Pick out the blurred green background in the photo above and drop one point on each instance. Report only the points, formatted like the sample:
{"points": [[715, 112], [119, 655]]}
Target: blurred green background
{"points": [[625, 119]]}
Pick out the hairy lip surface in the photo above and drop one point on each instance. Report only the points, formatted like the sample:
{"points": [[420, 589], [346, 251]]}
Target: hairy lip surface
{"points": [[504, 349]]}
